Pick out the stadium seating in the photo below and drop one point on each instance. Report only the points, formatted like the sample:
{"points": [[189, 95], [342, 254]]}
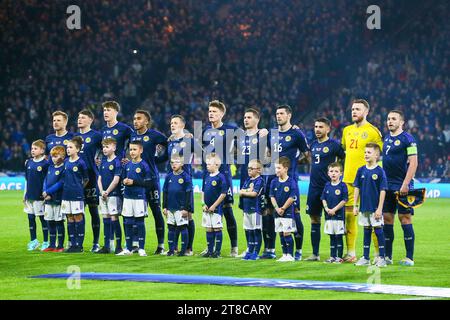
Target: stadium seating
{"points": [[174, 56]]}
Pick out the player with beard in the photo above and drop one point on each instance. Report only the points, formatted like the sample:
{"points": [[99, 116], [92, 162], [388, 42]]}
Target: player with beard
{"points": [[291, 143], [324, 151], [355, 137], [400, 164]]}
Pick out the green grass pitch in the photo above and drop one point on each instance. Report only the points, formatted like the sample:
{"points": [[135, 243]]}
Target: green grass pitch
{"points": [[17, 264]]}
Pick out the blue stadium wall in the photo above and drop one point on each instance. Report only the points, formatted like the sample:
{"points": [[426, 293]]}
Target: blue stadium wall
{"points": [[434, 190]]}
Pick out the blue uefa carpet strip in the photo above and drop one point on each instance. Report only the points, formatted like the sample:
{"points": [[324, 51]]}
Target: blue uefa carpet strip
{"points": [[255, 282]]}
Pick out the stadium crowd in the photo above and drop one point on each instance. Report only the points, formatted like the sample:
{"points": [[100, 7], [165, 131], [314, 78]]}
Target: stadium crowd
{"points": [[174, 56]]}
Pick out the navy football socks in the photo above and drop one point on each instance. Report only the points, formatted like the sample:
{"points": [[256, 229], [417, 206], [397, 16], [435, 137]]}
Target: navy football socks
{"points": [[409, 236], [95, 222], [315, 237], [389, 239], [231, 225]]}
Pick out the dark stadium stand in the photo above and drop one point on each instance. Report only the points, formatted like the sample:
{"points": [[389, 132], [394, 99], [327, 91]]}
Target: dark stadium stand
{"points": [[174, 56]]}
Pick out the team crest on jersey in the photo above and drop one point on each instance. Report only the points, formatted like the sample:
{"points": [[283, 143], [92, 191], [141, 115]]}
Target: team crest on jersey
{"points": [[214, 183], [374, 176], [111, 167], [221, 132], [397, 142], [326, 150], [39, 168], [75, 169], [180, 181], [146, 138], [255, 141], [337, 192], [65, 142], [115, 132], [183, 144], [57, 173], [364, 135], [138, 170], [288, 138], [251, 185], [286, 189], [87, 140]]}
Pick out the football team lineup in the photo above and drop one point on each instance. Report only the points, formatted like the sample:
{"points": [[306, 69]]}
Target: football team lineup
{"points": [[348, 185], [124, 180]]}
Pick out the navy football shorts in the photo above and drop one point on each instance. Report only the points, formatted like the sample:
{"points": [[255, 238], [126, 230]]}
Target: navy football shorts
{"points": [[314, 205], [229, 197], [91, 190], [153, 193]]}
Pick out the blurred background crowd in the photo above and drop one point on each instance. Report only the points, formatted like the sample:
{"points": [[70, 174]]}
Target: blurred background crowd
{"points": [[173, 57]]}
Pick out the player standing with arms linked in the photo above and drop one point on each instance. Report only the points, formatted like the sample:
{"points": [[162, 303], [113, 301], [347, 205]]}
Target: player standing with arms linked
{"points": [[61, 135], [355, 137], [89, 151], [214, 139], [117, 130], [290, 143], [252, 146], [150, 139], [324, 151], [400, 164]]}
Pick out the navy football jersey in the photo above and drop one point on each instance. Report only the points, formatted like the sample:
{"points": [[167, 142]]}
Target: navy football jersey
{"points": [[92, 143], [250, 204], [213, 187], [53, 184], [250, 148], [370, 182], [214, 141], [35, 172], [322, 155], [137, 171], [396, 150], [176, 187], [290, 143], [282, 191], [75, 173], [150, 139], [122, 133], [333, 195], [108, 170], [181, 147], [53, 140]]}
